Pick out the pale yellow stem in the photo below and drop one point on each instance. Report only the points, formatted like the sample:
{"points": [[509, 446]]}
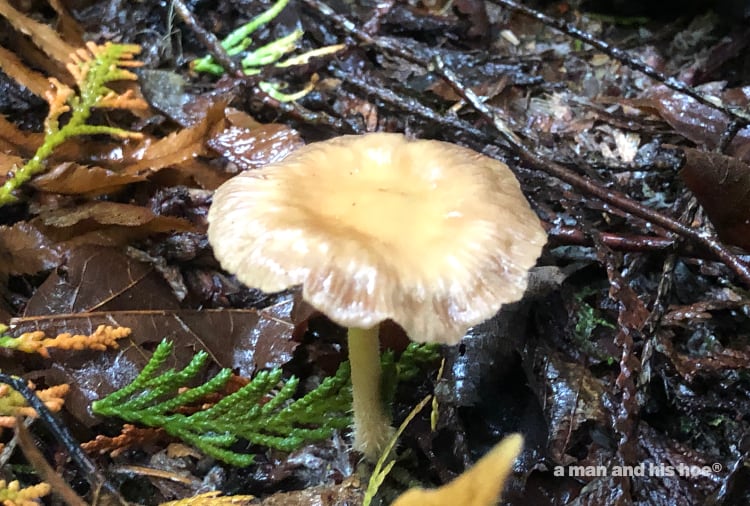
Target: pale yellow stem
{"points": [[372, 426]]}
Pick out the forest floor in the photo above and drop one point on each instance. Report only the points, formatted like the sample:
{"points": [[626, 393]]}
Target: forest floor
{"points": [[627, 130]]}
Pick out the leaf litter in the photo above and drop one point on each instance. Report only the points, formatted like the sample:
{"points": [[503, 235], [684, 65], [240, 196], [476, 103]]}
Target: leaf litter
{"points": [[113, 233]]}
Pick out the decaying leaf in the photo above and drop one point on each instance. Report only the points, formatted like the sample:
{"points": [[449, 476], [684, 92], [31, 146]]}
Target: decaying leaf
{"points": [[106, 223], [73, 179], [700, 123], [43, 36], [15, 141], [35, 82], [575, 398], [24, 249], [130, 285], [179, 147], [479, 486], [257, 147], [722, 185], [165, 91]]}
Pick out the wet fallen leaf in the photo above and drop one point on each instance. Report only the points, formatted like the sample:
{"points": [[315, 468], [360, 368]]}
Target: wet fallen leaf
{"points": [[476, 12], [105, 223], [43, 36], [74, 179], [26, 250], [130, 285], [254, 148], [23, 75], [66, 25], [722, 185], [165, 91], [8, 164], [178, 147], [700, 123], [113, 213], [13, 140], [575, 400]]}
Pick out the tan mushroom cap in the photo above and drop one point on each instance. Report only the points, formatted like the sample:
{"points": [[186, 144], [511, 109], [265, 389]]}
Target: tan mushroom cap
{"points": [[429, 234]]}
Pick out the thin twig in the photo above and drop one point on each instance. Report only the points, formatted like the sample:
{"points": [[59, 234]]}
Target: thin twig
{"points": [[35, 457], [61, 432]]}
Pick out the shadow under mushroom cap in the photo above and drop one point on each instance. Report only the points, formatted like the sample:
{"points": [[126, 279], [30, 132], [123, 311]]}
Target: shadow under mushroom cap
{"points": [[429, 234]]}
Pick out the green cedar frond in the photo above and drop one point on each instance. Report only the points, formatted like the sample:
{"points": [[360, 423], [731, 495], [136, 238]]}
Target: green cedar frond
{"points": [[92, 69], [262, 412]]}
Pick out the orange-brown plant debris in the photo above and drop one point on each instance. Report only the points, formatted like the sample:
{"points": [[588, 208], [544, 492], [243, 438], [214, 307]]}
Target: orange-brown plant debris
{"points": [[105, 336], [130, 437]]}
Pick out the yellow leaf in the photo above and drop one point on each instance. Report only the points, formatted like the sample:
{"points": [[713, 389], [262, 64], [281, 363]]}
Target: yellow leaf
{"points": [[479, 486]]}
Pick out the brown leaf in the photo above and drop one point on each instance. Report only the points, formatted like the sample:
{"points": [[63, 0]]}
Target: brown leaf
{"points": [[101, 279], [106, 223], [73, 179], [68, 27], [700, 123], [476, 11], [13, 140], [575, 398], [43, 36], [722, 186], [165, 91], [26, 250], [178, 147], [23, 75], [9, 164], [191, 172], [254, 148]]}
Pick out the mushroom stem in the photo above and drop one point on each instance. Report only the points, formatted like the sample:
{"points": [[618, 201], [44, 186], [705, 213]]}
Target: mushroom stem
{"points": [[372, 426]]}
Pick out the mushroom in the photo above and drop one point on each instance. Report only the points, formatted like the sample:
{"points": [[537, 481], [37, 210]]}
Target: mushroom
{"points": [[431, 235]]}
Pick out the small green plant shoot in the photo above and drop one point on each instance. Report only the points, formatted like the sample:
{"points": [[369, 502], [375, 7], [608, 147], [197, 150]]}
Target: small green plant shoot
{"points": [[588, 319], [262, 412], [238, 42]]}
